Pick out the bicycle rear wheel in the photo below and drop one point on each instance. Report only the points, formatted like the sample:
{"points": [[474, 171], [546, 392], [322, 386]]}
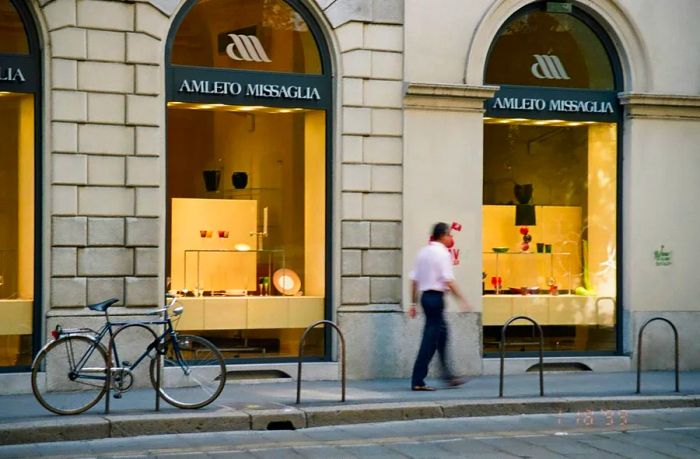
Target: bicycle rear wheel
{"points": [[193, 372], [68, 375]]}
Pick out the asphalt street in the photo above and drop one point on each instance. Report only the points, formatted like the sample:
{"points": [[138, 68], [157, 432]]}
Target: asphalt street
{"points": [[634, 434]]}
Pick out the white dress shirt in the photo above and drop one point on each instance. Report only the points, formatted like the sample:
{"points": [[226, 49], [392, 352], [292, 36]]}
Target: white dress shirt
{"points": [[433, 268]]}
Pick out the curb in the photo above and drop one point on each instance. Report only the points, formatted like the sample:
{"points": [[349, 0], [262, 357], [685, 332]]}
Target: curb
{"points": [[92, 427]]}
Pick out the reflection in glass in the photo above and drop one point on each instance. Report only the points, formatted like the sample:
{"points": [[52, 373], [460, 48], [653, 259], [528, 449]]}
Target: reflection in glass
{"points": [[16, 227], [566, 278], [265, 35], [13, 39], [549, 49]]}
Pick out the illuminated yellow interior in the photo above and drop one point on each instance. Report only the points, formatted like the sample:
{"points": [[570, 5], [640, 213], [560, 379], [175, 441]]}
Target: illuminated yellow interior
{"points": [[276, 221], [573, 169], [16, 227]]}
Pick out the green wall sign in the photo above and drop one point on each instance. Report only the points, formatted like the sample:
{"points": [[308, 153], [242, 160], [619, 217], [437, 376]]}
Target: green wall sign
{"points": [[662, 257]]}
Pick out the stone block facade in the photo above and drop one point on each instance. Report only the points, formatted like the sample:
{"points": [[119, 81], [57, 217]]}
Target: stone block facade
{"points": [[370, 40], [106, 150], [107, 147], [104, 61]]}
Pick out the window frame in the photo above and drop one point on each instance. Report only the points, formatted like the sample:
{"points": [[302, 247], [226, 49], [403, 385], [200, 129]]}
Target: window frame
{"points": [[324, 81], [33, 63], [617, 117]]}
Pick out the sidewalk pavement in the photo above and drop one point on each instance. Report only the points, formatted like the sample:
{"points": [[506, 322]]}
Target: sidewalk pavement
{"points": [[268, 405]]}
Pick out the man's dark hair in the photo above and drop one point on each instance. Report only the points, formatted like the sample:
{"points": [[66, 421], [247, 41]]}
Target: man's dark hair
{"points": [[439, 230]]}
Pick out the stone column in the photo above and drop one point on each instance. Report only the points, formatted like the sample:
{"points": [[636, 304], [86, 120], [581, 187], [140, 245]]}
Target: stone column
{"points": [[370, 38], [106, 152], [443, 180], [660, 208]]}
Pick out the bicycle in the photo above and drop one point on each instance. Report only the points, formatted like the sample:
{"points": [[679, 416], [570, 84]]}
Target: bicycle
{"points": [[75, 364]]}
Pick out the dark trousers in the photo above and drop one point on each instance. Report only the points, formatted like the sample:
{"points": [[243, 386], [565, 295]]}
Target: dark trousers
{"points": [[434, 338]]}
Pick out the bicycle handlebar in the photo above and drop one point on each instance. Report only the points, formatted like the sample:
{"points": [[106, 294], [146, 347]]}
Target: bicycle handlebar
{"points": [[167, 307]]}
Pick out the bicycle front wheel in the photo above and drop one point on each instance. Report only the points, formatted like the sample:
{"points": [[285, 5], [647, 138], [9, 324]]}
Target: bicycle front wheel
{"points": [[193, 372], [68, 375]]}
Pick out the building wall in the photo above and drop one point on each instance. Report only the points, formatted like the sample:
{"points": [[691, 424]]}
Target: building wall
{"points": [[446, 49], [105, 153], [408, 151]]}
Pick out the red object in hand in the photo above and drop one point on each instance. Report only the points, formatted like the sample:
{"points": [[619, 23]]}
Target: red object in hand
{"points": [[524, 230]]}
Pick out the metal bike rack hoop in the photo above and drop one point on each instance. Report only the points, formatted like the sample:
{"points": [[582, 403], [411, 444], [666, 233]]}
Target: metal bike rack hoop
{"points": [[639, 351], [342, 355], [110, 364], [502, 349]]}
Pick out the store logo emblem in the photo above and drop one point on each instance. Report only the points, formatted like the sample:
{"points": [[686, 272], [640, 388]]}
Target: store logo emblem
{"points": [[248, 47], [548, 66]]}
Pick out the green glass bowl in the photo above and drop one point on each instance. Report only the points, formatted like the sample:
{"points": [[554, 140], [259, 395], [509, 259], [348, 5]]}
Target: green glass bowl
{"points": [[500, 249]]}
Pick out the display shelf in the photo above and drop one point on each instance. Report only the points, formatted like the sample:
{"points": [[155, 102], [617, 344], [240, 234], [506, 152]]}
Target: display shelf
{"points": [[276, 259], [498, 287], [250, 312], [546, 309], [247, 192]]}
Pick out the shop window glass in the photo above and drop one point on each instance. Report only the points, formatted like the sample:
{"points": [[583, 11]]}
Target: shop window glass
{"points": [[13, 39], [264, 35], [246, 196], [559, 179], [549, 49], [246, 184], [16, 227]]}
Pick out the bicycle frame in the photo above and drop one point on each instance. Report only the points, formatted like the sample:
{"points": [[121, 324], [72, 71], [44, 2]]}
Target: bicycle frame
{"points": [[112, 329]]}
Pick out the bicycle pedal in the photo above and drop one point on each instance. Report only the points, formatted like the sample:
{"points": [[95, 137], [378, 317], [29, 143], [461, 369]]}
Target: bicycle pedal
{"points": [[117, 395]]}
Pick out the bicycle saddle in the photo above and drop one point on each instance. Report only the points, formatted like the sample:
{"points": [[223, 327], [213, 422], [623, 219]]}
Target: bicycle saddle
{"points": [[102, 306]]}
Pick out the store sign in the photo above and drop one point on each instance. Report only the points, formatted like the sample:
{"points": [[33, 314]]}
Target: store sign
{"points": [[248, 87], [232, 88], [18, 72], [12, 74], [553, 103]]}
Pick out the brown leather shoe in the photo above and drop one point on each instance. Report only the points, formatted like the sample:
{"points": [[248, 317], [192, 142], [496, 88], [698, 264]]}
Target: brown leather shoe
{"points": [[423, 388], [455, 382]]}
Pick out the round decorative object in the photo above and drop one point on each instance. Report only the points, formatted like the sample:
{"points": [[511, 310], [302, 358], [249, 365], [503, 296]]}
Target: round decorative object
{"points": [[239, 180], [286, 281]]}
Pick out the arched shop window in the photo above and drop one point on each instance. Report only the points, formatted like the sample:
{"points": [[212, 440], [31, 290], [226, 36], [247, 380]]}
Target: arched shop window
{"points": [[248, 161], [19, 187], [551, 174]]}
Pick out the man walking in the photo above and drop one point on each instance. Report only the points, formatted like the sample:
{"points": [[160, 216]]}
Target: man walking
{"points": [[432, 277]]}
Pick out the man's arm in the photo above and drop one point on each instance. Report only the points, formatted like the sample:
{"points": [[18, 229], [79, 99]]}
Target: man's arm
{"points": [[414, 298], [463, 303]]}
